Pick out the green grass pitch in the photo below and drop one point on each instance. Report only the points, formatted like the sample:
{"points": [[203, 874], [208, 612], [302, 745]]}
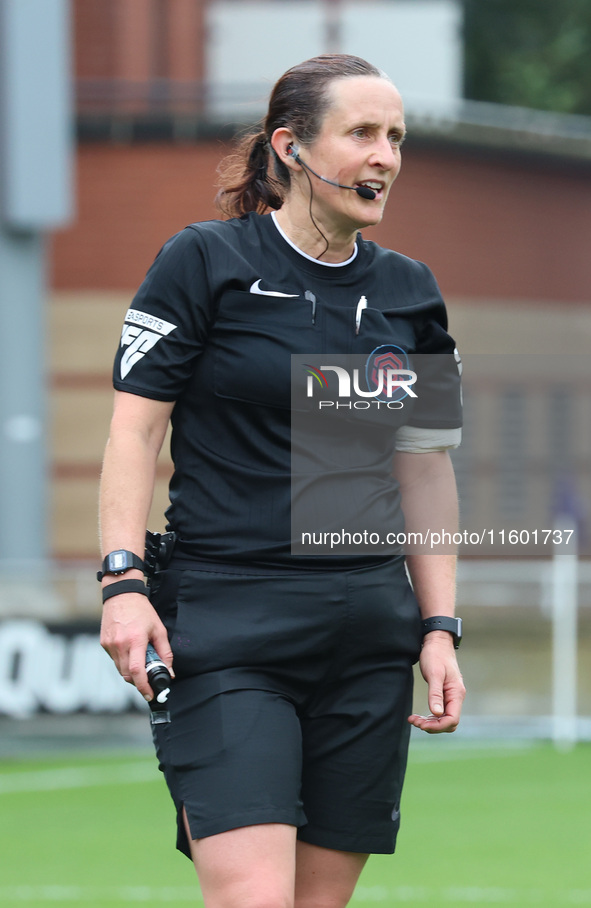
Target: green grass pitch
{"points": [[481, 824]]}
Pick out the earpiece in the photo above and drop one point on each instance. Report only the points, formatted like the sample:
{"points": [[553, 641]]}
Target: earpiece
{"points": [[294, 151]]}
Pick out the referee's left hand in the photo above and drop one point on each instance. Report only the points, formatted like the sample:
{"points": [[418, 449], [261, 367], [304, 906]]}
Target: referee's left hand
{"points": [[440, 669]]}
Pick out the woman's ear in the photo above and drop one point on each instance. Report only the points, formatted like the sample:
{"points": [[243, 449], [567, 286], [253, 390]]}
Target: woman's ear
{"points": [[284, 144]]}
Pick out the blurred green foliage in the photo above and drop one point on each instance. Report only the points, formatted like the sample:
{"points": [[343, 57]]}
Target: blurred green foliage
{"points": [[529, 53]]}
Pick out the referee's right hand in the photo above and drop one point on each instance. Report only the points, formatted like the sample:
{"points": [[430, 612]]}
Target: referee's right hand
{"points": [[129, 623]]}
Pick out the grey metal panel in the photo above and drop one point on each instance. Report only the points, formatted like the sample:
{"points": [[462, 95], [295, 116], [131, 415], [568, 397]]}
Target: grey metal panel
{"points": [[36, 132], [23, 454]]}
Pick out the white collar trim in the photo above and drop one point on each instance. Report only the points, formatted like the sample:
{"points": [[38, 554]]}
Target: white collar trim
{"points": [[305, 254]]}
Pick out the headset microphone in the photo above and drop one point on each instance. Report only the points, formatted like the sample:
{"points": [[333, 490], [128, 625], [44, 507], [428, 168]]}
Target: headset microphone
{"points": [[364, 191]]}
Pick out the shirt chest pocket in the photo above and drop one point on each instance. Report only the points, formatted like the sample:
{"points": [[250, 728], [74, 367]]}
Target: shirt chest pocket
{"points": [[375, 327], [251, 346]]}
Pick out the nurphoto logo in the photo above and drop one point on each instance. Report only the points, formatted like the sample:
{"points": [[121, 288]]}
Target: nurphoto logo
{"points": [[388, 380]]}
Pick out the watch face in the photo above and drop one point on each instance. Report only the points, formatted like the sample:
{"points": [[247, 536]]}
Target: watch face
{"points": [[118, 561]]}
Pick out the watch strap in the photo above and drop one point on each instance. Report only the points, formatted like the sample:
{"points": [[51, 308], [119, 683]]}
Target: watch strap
{"points": [[124, 586], [444, 623]]}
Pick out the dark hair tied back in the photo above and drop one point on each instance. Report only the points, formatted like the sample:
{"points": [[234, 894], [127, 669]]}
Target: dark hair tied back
{"points": [[299, 102], [246, 182]]}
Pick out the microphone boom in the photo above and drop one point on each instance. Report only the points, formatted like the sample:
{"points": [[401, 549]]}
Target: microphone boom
{"points": [[364, 191]]}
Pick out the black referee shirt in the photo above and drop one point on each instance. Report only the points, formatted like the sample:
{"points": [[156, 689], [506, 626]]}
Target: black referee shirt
{"points": [[215, 325]]}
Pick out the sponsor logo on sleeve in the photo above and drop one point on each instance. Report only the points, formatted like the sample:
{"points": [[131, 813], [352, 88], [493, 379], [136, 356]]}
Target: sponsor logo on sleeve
{"points": [[141, 332]]}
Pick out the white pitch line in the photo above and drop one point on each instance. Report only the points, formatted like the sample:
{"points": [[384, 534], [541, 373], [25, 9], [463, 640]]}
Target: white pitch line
{"points": [[146, 771], [457, 895], [86, 777], [470, 895], [440, 754], [78, 894]]}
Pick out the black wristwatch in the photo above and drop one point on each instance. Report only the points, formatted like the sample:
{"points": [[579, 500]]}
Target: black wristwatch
{"points": [[119, 562], [444, 623]]}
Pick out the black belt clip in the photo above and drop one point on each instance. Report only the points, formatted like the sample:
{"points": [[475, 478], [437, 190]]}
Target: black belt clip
{"points": [[159, 548]]}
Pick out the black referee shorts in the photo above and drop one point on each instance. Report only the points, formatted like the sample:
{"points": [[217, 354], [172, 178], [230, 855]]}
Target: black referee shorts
{"points": [[291, 701]]}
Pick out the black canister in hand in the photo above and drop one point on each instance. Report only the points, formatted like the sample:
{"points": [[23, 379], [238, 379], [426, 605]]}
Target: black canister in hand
{"points": [[160, 681]]}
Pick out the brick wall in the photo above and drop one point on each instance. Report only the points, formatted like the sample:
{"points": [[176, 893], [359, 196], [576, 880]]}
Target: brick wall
{"points": [[508, 228], [507, 240]]}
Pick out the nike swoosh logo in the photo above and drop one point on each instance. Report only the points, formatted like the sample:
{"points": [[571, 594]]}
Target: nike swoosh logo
{"points": [[256, 289]]}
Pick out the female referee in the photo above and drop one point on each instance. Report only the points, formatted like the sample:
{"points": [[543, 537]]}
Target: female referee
{"points": [[289, 714]]}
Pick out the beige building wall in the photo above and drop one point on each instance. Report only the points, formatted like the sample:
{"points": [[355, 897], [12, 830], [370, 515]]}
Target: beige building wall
{"points": [[85, 327], [84, 332]]}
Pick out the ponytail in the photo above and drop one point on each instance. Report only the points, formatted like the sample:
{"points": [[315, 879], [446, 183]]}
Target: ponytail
{"points": [[245, 182]]}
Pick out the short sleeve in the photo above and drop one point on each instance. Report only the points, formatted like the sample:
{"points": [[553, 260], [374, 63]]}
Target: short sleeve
{"points": [[166, 326], [438, 366]]}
